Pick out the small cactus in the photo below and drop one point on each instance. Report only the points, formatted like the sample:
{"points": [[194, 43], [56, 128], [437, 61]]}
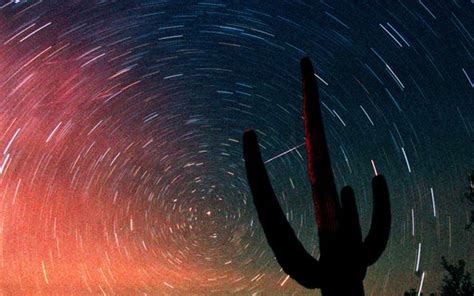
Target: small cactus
{"points": [[344, 256]]}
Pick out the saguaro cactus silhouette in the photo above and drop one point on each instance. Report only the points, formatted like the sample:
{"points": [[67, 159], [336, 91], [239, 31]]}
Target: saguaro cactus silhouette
{"points": [[344, 256]]}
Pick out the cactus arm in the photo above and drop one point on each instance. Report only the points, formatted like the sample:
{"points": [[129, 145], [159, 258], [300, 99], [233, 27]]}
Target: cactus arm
{"points": [[350, 217], [379, 232], [325, 200], [288, 250]]}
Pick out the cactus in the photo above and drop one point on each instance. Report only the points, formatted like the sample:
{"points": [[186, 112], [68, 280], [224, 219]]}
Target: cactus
{"points": [[344, 256]]}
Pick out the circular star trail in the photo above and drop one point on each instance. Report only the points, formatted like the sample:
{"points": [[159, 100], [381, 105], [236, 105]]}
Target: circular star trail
{"points": [[121, 167]]}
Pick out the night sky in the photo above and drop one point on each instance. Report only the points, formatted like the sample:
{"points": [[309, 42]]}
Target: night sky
{"points": [[121, 167]]}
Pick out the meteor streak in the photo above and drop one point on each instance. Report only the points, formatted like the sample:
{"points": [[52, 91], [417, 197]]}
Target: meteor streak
{"points": [[284, 153]]}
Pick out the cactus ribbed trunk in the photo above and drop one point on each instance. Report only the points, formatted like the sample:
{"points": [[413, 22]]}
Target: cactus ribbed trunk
{"points": [[346, 288]]}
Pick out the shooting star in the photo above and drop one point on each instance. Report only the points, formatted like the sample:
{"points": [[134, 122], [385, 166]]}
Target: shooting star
{"points": [[283, 153]]}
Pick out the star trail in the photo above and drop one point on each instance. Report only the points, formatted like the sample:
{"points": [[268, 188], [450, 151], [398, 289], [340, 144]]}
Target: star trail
{"points": [[121, 168]]}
